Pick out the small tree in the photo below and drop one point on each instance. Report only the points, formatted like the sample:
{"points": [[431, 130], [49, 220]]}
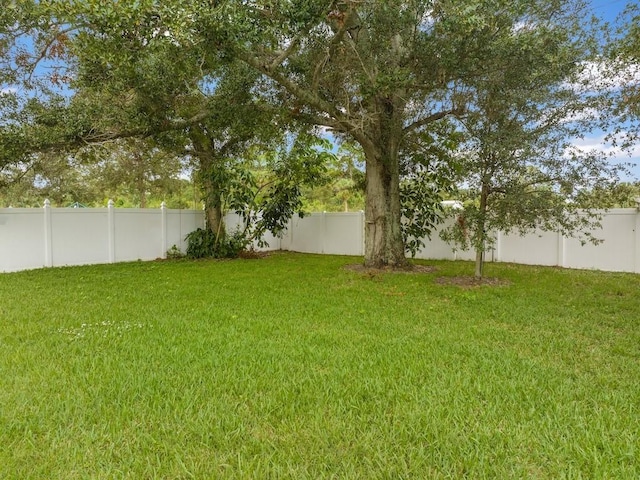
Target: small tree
{"points": [[520, 167]]}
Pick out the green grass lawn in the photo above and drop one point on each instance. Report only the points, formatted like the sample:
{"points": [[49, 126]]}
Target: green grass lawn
{"points": [[293, 367]]}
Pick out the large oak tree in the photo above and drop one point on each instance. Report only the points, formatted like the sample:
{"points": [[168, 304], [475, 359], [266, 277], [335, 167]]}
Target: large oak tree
{"points": [[379, 72]]}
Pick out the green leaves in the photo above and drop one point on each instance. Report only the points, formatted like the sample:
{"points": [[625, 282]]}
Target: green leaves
{"points": [[422, 211], [280, 197], [203, 243]]}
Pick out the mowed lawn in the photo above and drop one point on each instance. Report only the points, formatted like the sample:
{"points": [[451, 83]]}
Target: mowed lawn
{"points": [[291, 366]]}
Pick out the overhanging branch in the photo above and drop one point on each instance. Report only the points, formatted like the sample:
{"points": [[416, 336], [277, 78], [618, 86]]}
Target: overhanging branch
{"points": [[432, 118], [97, 138]]}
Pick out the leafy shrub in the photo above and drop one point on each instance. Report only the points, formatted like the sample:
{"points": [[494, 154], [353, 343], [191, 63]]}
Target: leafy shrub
{"points": [[174, 253], [203, 243]]}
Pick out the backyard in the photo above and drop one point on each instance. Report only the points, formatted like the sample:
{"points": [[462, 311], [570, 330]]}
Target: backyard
{"points": [[291, 366]]}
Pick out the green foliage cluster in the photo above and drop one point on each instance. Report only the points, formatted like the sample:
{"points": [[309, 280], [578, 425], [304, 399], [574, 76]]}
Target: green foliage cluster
{"points": [[304, 164], [204, 243], [174, 253], [620, 195], [132, 172], [421, 200], [343, 185], [624, 52]]}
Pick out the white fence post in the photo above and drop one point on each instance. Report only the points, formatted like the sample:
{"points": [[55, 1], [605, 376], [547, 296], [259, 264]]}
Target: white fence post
{"points": [[562, 246], [323, 227], [111, 231], [637, 259], [48, 233], [163, 211], [362, 240]]}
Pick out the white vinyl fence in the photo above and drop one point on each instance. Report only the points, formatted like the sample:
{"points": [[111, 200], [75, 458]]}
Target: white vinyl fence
{"points": [[46, 237], [343, 233], [50, 237]]}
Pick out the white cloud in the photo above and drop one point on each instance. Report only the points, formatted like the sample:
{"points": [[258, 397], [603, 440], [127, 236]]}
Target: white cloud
{"points": [[614, 154], [600, 144], [606, 75]]}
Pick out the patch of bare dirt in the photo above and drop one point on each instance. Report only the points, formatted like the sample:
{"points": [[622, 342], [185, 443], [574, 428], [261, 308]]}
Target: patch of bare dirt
{"points": [[411, 269], [471, 282]]}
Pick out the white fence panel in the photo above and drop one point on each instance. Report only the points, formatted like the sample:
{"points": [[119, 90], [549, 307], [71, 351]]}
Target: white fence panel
{"points": [[79, 236], [343, 233], [234, 222], [305, 234], [536, 248], [32, 238], [273, 242], [616, 253], [330, 233], [138, 234], [22, 239], [437, 249], [179, 223]]}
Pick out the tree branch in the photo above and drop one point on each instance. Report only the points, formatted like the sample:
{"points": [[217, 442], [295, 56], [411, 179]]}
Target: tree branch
{"points": [[432, 118], [105, 137], [293, 45], [44, 51], [337, 38]]}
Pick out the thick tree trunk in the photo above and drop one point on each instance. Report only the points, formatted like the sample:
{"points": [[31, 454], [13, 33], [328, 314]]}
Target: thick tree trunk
{"points": [[383, 243], [212, 203], [383, 234], [205, 153]]}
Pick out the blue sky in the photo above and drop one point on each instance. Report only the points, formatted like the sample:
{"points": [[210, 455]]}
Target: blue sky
{"points": [[610, 10]]}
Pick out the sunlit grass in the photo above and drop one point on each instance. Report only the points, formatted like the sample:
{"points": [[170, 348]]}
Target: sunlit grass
{"points": [[292, 367]]}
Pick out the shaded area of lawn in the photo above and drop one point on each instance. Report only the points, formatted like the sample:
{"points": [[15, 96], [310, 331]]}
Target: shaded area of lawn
{"points": [[292, 366]]}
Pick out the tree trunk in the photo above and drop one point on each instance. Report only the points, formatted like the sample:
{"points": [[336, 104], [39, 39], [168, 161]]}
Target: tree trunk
{"points": [[481, 241], [215, 219], [205, 153], [479, 262], [212, 202], [383, 234], [383, 245]]}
